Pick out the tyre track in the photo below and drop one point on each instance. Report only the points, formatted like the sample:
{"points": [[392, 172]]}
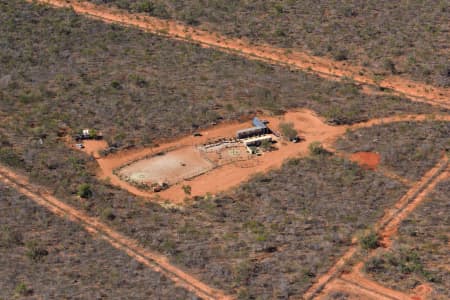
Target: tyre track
{"points": [[131, 247], [386, 227], [324, 67]]}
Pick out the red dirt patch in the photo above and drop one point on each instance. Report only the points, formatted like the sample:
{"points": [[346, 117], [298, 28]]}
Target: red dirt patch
{"points": [[367, 160], [310, 127]]}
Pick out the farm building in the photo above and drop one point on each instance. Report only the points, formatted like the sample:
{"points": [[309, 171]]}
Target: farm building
{"points": [[257, 141], [258, 129]]}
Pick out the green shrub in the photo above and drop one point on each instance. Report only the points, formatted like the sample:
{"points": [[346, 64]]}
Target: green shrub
{"points": [[316, 148], [108, 214], [22, 290], [35, 252], [84, 191], [370, 241], [187, 189], [288, 131]]}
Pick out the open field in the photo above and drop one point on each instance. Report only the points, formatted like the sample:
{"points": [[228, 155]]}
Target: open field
{"points": [[43, 256], [171, 167], [419, 254], [407, 148], [405, 37]]}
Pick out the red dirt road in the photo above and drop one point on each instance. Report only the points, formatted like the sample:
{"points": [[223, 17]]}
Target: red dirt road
{"points": [[360, 287], [322, 66], [415, 196], [152, 260], [310, 126]]}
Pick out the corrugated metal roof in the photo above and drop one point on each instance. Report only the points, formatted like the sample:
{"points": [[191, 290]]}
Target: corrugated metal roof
{"points": [[258, 123]]}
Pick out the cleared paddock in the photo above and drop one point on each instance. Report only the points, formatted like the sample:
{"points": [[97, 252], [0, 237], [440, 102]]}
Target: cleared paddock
{"points": [[171, 167]]}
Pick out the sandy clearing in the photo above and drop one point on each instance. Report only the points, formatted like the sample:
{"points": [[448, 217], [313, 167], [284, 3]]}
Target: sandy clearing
{"points": [[310, 126], [155, 261], [172, 167], [295, 59]]}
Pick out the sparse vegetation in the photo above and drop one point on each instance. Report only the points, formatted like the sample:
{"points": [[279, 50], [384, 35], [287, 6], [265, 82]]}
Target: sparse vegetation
{"points": [[402, 37], [288, 131], [408, 148], [420, 252], [84, 191], [160, 95], [370, 241], [272, 236], [59, 260]]}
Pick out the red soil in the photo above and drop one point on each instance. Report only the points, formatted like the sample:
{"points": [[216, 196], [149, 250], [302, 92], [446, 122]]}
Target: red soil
{"points": [[354, 281], [322, 66], [368, 160], [311, 128], [153, 260]]}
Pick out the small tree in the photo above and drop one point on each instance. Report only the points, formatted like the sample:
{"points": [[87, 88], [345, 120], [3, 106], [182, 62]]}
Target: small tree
{"points": [[84, 191], [288, 130], [187, 189], [93, 134], [35, 252], [22, 290], [266, 145], [316, 148], [370, 241]]}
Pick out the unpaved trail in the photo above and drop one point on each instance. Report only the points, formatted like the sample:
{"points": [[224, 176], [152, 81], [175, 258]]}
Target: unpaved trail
{"points": [[357, 291], [401, 118], [310, 126], [415, 196], [295, 59], [152, 260], [323, 280], [361, 286], [387, 226]]}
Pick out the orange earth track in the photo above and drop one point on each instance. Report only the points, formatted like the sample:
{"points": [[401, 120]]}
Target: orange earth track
{"points": [[311, 128], [355, 282], [92, 225], [295, 59]]}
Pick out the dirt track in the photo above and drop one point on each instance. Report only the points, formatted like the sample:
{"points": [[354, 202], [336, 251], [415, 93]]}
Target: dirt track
{"points": [[310, 126], [153, 260], [355, 282], [322, 66]]}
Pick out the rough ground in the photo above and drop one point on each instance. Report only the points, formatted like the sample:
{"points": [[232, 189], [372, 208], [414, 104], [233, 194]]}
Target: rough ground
{"points": [[278, 225], [154, 261], [407, 148], [352, 282], [329, 68], [419, 254], [401, 37], [54, 258]]}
